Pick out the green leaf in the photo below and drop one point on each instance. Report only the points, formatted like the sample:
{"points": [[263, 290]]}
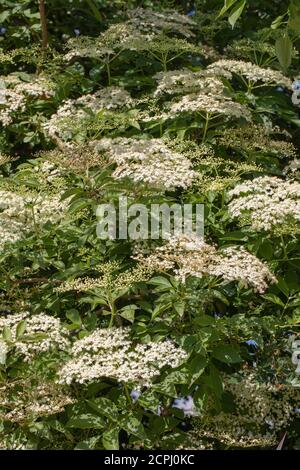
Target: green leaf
{"points": [[128, 312], [227, 4], [196, 368], [74, 317], [236, 13], [4, 15], [179, 307], [87, 444], [21, 327], [277, 22], [94, 9], [149, 400], [274, 299], [105, 407], [133, 426], [226, 353], [86, 421], [214, 381], [78, 205], [294, 16], [110, 439], [284, 47], [7, 335], [160, 281]]}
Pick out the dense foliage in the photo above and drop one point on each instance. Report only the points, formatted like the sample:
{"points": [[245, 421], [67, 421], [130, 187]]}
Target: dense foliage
{"points": [[129, 343]]}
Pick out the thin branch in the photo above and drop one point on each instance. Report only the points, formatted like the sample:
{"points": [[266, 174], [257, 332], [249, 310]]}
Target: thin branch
{"points": [[43, 24]]}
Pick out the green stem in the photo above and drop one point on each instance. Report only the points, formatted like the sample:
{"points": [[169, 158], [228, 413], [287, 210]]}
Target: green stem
{"points": [[108, 73], [127, 394], [164, 62], [207, 117], [160, 129], [283, 247]]}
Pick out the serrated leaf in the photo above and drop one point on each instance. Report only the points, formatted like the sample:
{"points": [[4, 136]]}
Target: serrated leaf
{"points": [[284, 47], [274, 299]]}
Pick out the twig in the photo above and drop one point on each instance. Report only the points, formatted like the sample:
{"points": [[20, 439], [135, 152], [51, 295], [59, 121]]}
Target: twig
{"points": [[43, 25]]}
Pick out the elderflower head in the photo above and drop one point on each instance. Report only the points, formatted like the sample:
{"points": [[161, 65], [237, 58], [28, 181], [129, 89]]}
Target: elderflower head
{"points": [[72, 113], [20, 213], [210, 104], [148, 161], [186, 81], [252, 72], [266, 202], [42, 333], [110, 277], [25, 400], [254, 137], [17, 94], [118, 37], [109, 353], [190, 256], [166, 21]]}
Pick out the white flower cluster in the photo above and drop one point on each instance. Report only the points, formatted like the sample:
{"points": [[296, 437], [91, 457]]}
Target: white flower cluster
{"points": [[118, 37], [252, 72], [42, 333], [186, 81], [148, 161], [266, 202], [109, 353], [24, 401], [16, 94], [203, 92], [190, 256], [167, 21], [73, 112], [21, 213], [209, 104], [110, 277]]}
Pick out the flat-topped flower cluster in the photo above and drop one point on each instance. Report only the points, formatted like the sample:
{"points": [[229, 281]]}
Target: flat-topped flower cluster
{"points": [[23, 212], [109, 353], [16, 94], [266, 202], [148, 161], [191, 256], [40, 333]]}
